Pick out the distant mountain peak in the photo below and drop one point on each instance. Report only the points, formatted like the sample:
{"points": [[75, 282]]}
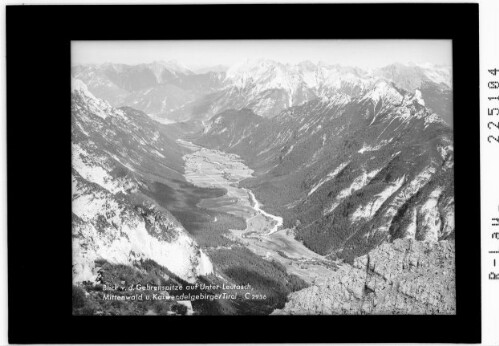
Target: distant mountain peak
{"points": [[78, 85], [174, 65], [171, 90]]}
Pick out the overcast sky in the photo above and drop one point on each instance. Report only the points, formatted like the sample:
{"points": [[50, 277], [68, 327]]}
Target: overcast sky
{"points": [[195, 54]]}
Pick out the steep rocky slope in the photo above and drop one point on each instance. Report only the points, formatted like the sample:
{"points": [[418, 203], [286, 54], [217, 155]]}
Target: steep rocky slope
{"points": [[358, 164], [136, 220], [348, 173], [268, 87], [405, 277], [112, 220]]}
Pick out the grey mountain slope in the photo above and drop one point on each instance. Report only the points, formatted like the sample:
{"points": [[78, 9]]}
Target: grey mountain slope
{"points": [[136, 219], [348, 173], [113, 220], [358, 169]]}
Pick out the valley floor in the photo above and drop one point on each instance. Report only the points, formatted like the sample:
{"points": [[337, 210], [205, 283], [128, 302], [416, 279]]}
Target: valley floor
{"points": [[263, 235]]}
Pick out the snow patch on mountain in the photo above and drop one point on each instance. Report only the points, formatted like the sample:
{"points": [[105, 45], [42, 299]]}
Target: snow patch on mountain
{"points": [[384, 91], [448, 217], [290, 149], [328, 177], [368, 148], [438, 74], [419, 97], [358, 183], [91, 168], [429, 217], [368, 210], [403, 194], [94, 105]]}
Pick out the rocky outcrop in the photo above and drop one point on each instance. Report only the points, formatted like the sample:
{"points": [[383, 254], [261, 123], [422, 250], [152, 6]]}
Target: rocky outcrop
{"points": [[403, 277]]}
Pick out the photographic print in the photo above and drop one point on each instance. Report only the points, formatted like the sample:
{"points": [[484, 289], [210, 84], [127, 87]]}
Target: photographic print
{"points": [[262, 177]]}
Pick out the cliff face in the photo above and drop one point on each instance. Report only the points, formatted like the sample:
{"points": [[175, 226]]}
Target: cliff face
{"points": [[403, 277]]}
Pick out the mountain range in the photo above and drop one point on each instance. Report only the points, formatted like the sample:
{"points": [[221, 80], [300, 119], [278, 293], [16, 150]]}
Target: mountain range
{"points": [[359, 164], [169, 91], [136, 221], [348, 173]]}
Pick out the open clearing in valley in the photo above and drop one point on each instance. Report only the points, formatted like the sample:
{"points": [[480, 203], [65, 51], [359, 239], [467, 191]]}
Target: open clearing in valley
{"points": [[263, 234]]}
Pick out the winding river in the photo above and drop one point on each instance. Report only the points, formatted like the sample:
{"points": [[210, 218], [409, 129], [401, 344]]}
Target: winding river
{"points": [[264, 234]]}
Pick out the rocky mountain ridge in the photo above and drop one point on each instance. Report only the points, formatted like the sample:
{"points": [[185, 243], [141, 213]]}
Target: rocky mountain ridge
{"points": [[156, 88], [348, 172], [358, 163], [111, 219], [170, 92], [136, 220]]}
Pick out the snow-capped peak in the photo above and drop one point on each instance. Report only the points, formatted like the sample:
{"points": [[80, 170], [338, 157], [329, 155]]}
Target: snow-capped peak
{"points": [[264, 74], [96, 106], [439, 74], [383, 90], [78, 85], [174, 65]]}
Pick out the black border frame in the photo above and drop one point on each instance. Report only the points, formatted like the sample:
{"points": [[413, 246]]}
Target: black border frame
{"points": [[39, 155]]}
